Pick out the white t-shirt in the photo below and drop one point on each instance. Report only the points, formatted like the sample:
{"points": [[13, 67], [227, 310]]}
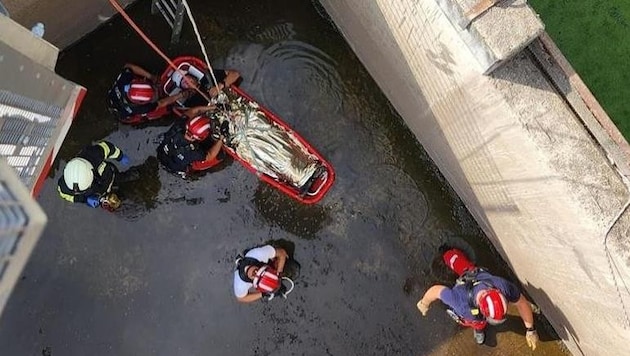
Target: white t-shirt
{"points": [[262, 254]]}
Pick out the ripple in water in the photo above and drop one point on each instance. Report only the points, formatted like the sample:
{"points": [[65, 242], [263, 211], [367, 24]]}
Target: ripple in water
{"points": [[272, 34], [304, 72], [295, 80]]}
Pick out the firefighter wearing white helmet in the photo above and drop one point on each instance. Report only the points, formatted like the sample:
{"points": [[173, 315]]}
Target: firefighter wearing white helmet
{"points": [[258, 273], [89, 177]]}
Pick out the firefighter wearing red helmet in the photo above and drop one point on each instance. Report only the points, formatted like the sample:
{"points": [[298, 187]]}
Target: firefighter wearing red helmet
{"points": [[191, 143], [479, 298], [135, 94], [258, 273]]}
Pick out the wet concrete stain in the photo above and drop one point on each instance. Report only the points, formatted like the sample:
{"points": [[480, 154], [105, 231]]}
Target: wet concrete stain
{"points": [[156, 277]]}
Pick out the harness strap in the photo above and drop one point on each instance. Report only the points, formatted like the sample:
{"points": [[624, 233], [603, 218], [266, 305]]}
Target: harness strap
{"points": [[173, 149], [469, 280]]}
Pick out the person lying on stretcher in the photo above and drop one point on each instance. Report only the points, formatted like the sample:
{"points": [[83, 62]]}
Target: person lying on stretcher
{"points": [[188, 77]]}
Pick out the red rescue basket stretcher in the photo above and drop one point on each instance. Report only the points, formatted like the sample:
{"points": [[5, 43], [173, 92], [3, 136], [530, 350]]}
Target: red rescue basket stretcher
{"points": [[316, 187]]}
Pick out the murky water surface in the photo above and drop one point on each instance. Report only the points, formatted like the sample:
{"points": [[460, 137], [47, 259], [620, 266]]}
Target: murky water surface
{"points": [[155, 278]]}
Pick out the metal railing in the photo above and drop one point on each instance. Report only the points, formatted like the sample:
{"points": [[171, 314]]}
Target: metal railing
{"points": [[173, 13]]}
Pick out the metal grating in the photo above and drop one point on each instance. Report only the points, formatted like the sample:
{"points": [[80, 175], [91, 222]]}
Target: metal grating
{"points": [[26, 128], [21, 223], [36, 110], [173, 12]]}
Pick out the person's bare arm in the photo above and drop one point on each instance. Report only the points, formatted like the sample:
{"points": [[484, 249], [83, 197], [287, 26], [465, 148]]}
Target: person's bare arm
{"points": [[173, 98], [281, 258], [231, 76], [215, 149], [137, 70], [198, 110], [432, 294], [524, 308], [250, 297]]}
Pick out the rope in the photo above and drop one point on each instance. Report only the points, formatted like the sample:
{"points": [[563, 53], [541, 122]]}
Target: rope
{"points": [[157, 50], [203, 48], [292, 285]]}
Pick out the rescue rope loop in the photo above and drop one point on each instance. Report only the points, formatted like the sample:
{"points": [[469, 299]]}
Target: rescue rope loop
{"points": [[157, 50], [291, 285]]}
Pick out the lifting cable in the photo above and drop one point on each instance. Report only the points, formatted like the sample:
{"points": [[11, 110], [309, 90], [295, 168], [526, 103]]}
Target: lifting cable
{"points": [[216, 84], [203, 48], [142, 35]]}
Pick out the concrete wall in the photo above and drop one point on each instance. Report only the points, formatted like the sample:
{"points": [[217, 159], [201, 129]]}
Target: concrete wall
{"points": [[538, 183], [65, 21]]}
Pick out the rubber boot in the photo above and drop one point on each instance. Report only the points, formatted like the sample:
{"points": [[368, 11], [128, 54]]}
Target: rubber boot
{"points": [[480, 336]]}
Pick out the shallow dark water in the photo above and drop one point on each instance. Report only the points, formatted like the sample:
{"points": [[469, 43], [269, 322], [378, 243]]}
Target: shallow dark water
{"points": [[155, 278]]}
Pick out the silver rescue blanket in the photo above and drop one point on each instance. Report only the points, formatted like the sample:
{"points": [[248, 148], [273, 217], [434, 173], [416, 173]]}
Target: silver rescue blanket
{"points": [[265, 145]]}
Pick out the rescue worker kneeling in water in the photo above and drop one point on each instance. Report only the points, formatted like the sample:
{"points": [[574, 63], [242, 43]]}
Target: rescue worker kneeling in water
{"points": [[184, 148], [258, 274], [89, 178], [134, 96]]}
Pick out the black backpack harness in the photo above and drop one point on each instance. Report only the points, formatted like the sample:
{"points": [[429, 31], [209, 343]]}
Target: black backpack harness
{"points": [[469, 280]]}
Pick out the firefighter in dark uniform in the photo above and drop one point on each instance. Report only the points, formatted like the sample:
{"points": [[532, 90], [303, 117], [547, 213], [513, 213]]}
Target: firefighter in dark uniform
{"points": [[89, 177], [192, 144], [134, 97]]}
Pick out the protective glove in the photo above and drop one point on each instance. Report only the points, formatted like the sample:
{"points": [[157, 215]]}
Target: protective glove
{"points": [[267, 296], [111, 201], [423, 308], [225, 128], [93, 201], [124, 160], [531, 336]]}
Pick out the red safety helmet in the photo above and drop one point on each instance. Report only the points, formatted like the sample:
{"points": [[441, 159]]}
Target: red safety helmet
{"points": [[267, 280], [493, 306], [199, 128], [141, 92]]}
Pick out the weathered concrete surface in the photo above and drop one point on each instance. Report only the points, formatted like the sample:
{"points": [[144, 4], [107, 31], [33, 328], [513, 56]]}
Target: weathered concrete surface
{"points": [[65, 21], [23, 41], [537, 183], [493, 30]]}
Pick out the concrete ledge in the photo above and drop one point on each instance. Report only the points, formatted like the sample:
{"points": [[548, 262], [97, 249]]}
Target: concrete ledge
{"points": [[22, 40], [65, 21], [493, 30], [582, 101]]}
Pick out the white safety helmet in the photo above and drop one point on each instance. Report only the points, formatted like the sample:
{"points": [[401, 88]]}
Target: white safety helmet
{"points": [[78, 172]]}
